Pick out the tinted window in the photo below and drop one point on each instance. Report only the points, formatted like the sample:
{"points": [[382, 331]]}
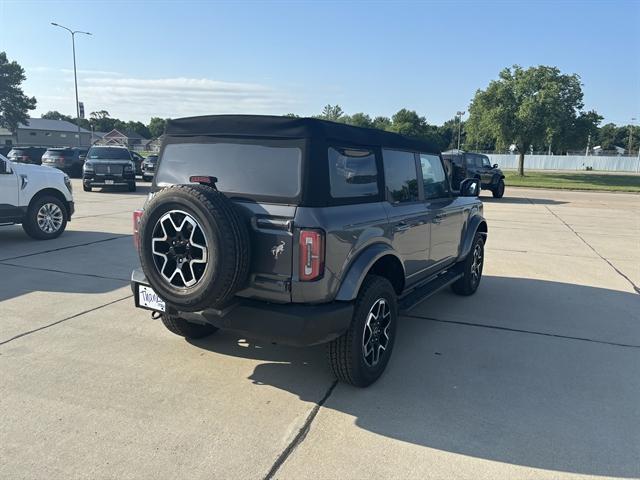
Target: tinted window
{"points": [[433, 176], [108, 153], [474, 160], [245, 169], [400, 176], [352, 172], [485, 162]]}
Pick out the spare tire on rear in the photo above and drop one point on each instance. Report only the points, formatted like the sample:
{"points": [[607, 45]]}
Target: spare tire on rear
{"points": [[194, 247]]}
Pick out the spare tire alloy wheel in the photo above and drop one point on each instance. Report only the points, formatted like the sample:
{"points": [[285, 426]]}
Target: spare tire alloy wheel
{"points": [[179, 249], [50, 218]]}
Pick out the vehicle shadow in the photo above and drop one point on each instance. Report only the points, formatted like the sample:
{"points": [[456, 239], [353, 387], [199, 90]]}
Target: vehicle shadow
{"points": [[141, 190], [522, 201], [522, 397]]}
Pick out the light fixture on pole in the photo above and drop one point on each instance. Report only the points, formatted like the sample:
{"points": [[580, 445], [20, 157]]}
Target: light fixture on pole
{"points": [[459, 115], [75, 75]]}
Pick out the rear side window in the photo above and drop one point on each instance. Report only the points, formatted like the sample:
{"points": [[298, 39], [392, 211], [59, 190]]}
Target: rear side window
{"points": [[401, 176], [433, 176], [352, 172], [246, 169]]}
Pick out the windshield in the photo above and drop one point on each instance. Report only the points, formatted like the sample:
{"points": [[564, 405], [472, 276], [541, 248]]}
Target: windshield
{"points": [[107, 153], [269, 169]]}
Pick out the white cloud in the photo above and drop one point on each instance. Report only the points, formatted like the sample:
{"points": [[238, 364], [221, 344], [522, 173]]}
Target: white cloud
{"points": [[142, 98]]}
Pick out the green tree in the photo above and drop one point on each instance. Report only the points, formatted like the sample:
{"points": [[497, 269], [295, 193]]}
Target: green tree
{"points": [[137, 127], [14, 104], [331, 112], [156, 126], [359, 120], [382, 123], [527, 108], [56, 115]]}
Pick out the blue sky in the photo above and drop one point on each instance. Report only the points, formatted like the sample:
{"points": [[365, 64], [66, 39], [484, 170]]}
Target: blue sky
{"points": [[175, 59]]}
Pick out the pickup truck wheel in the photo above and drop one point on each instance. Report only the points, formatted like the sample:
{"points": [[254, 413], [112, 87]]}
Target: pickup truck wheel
{"points": [[46, 218], [194, 247], [86, 188], [132, 187], [181, 327], [472, 268], [498, 190], [361, 354]]}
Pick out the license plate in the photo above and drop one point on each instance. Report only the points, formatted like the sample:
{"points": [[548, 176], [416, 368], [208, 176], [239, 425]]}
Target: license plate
{"points": [[147, 298], [108, 182]]}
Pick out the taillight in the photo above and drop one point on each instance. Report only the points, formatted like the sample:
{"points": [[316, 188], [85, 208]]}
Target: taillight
{"points": [[311, 255], [137, 215]]}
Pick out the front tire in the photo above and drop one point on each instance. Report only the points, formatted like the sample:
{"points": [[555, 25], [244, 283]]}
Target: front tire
{"points": [[46, 218], [361, 354], [146, 178], [472, 269], [498, 191], [132, 187], [181, 327], [86, 188]]}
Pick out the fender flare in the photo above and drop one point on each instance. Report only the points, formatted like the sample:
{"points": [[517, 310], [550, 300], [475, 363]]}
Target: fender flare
{"points": [[476, 222], [351, 282]]}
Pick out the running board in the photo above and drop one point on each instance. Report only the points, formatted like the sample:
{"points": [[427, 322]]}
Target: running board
{"points": [[424, 291]]}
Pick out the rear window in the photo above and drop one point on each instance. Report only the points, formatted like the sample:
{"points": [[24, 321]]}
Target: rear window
{"points": [[352, 172], [106, 153], [269, 169]]}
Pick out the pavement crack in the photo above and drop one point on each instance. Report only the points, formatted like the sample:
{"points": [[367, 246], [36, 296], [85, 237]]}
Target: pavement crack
{"points": [[519, 330], [64, 248], [301, 435], [635, 287], [90, 275], [24, 334]]}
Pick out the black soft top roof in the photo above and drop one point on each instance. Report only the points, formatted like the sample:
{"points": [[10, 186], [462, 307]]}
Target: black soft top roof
{"points": [[269, 126]]}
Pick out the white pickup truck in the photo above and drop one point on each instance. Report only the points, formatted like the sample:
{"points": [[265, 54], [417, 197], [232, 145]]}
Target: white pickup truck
{"points": [[40, 198]]}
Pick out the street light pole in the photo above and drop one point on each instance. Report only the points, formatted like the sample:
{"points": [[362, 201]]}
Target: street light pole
{"points": [[459, 114], [75, 74]]}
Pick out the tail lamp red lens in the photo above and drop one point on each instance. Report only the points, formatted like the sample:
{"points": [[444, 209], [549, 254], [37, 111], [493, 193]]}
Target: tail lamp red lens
{"points": [[311, 255], [137, 215]]}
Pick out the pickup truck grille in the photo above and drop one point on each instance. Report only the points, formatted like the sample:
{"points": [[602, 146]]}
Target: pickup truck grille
{"points": [[109, 169]]}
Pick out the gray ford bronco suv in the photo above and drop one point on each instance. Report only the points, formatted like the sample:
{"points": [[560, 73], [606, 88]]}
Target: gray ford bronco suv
{"points": [[302, 231]]}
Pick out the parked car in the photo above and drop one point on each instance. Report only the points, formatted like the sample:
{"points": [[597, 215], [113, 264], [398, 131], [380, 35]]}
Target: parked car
{"points": [[137, 160], [302, 231], [39, 198], [149, 167], [32, 155], [462, 165], [68, 159], [108, 167]]}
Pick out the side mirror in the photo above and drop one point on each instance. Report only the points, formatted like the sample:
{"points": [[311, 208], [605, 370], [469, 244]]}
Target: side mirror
{"points": [[495, 165], [470, 187]]}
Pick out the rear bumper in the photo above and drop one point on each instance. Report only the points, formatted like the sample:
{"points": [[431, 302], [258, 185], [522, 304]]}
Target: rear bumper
{"points": [[288, 324]]}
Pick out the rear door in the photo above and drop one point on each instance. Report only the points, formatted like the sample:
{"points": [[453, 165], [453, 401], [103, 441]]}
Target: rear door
{"points": [[408, 222], [444, 213], [8, 192]]}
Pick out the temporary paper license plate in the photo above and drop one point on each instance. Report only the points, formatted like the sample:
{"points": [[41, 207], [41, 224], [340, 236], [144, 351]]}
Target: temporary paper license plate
{"points": [[147, 298]]}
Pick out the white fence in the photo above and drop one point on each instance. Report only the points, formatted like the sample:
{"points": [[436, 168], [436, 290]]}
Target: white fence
{"points": [[568, 162]]}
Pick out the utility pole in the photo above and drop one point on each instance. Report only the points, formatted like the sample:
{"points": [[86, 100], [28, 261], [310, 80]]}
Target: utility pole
{"points": [[633, 119], [75, 74], [459, 114], [586, 153]]}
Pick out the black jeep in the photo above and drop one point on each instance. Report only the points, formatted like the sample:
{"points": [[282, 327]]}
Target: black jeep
{"points": [[302, 231], [462, 165]]}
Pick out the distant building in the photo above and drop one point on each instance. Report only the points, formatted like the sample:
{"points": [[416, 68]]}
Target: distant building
{"points": [[131, 140], [41, 132]]}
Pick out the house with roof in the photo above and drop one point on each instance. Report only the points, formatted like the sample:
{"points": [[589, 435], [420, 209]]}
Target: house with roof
{"points": [[131, 140], [42, 132]]}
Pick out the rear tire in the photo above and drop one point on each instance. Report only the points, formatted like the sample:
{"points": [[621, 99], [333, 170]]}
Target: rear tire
{"points": [[132, 187], [86, 188], [46, 218], [186, 329], [348, 355], [472, 268], [146, 179], [498, 191]]}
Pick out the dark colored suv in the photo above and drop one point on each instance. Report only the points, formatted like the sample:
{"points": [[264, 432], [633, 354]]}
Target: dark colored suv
{"points": [[302, 231], [68, 159], [462, 165], [149, 167], [31, 155], [108, 167]]}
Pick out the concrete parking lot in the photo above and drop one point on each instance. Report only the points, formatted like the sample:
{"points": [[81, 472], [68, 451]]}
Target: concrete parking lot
{"points": [[535, 376]]}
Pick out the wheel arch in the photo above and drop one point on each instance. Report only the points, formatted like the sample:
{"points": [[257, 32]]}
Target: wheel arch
{"points": [[477, 224], [379, 259], [51, 192]]}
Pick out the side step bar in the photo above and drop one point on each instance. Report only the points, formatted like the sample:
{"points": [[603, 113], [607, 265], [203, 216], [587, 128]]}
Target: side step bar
{"points": [[423, 291]]}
